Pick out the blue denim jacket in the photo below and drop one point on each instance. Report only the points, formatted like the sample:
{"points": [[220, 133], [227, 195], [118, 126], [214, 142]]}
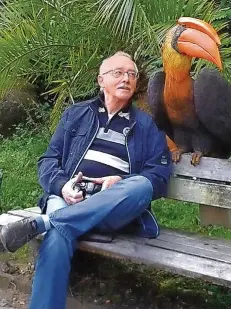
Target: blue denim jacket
{"points": [[147, 150]]}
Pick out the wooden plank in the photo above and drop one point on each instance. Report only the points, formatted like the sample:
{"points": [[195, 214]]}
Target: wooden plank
{"points": [[22, 213], [181, 253], [195, 248], [7, 218], [198, 249], [214, 216], [176, 262], [209, 168], [195, 240], [184, 239], [190, 250], [35, 210], [167, 256], [200, 192]]}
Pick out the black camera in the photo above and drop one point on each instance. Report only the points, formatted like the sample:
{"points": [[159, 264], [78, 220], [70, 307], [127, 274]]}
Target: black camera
{"points": [[87, 187]]}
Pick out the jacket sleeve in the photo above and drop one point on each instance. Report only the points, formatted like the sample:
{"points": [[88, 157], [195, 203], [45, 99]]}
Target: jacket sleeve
{"points": [[50, 173], [157, 166]]}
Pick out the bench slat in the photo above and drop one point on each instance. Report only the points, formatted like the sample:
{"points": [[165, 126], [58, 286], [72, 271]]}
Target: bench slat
{"points": [[195, 248], [199, 192], [35, 210], [209, 168], [22, 213], [176, 262], [193, 251], [7, 218], [182, 253], [196, 244], [183, 236]]}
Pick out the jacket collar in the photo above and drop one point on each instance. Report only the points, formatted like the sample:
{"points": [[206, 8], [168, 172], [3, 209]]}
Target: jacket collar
{"points": [[98, 101]]}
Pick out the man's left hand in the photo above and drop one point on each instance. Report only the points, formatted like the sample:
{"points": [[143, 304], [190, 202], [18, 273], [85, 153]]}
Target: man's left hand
{"points": [[106, 181]]}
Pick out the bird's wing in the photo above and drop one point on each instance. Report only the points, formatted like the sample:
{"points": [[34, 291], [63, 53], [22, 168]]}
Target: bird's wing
{"points": [[156, 104], [212, 97]]}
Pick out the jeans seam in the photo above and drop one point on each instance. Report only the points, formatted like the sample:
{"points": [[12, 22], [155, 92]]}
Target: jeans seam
{"points": [[59, 229]]}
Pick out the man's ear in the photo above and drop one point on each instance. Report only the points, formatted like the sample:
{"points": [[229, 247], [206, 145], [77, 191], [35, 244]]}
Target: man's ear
{"points": [[100, 81]]}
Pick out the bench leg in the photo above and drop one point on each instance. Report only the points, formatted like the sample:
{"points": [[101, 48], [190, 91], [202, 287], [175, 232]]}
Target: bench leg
{"points": [[215, 216]]}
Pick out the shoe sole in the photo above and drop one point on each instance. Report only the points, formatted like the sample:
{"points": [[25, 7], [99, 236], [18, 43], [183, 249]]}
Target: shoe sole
{"points": [[3, 241]]}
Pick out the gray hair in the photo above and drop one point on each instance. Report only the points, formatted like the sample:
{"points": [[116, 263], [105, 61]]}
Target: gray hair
{"points": [[120, 53]]}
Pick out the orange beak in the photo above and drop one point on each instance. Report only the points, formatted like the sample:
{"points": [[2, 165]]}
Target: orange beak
{"points": [[199, 40]]}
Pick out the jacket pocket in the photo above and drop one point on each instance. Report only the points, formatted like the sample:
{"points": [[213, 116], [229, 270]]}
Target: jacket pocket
{"points": [[76, 138], [75, 130]]}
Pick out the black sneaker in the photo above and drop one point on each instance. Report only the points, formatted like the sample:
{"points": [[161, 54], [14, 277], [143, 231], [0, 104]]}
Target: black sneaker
{"points": [[15, 235]]}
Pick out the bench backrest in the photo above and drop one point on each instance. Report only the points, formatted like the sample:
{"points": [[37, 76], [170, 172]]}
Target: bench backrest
{"points": [[208, 183]]}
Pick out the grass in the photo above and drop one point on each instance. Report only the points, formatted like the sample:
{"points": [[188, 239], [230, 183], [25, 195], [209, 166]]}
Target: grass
{"points": [[185, 216], [18, 160], [20, 189]]}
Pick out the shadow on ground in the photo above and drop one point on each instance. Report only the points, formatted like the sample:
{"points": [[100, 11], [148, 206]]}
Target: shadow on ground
{"points": [[114, 284], [128, 285]]}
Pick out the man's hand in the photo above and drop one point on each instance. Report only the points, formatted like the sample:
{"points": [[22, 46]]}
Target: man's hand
{"points": [[69, 194], [106, 182]]}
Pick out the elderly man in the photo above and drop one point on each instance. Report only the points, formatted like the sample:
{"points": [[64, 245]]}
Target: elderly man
{"points": [[103, 142]]}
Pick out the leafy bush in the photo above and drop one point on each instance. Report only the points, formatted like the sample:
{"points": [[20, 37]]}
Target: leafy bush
{"points": [[60, 43], [56, 42], [18, 161]]}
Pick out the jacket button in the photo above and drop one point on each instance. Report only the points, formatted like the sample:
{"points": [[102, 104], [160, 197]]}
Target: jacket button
{"points": [[126, 131], [73, 131]]}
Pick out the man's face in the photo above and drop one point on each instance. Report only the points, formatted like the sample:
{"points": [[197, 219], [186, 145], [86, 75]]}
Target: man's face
{"points": [[116, 82]]}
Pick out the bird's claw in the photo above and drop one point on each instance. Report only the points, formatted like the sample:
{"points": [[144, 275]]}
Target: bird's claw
{"points": [[196, 156], [176, 156]]}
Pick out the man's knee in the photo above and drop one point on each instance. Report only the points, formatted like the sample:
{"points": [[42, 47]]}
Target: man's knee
{"points": [[55, 202], [139, 183]]}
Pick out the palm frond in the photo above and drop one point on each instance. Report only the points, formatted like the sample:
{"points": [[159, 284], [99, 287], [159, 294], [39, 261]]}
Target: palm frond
{"points": [[63, 42], [153, 19], [124, 17]]}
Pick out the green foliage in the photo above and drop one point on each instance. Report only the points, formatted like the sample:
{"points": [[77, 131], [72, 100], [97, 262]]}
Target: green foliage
{"points": [[56, 41], [62, 43], [147, 21], [185, 216], [18, 161], [222, 20]]}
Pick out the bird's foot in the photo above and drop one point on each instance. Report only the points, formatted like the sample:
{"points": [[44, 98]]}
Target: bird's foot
{"points": [[176, 155], [196, 156]]}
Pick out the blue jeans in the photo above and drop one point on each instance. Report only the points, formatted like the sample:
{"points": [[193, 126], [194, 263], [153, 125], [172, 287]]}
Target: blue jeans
{"points": [[108, 210]]}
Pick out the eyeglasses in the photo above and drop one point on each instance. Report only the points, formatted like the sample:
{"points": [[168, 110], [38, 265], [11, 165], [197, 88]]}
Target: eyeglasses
{"points": [[117, 73]]}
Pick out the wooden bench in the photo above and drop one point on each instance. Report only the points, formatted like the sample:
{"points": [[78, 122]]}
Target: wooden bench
{"points": [[186, 254]]}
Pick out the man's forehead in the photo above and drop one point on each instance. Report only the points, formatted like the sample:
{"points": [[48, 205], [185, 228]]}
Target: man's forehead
{"points": [[116, 62]]}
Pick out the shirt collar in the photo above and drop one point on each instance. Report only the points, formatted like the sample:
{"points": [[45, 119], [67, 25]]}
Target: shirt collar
{"points": [[125, 109]]}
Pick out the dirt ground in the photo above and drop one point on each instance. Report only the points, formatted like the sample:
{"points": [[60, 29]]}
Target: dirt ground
{"points": [[11, 299], [98, 282]]}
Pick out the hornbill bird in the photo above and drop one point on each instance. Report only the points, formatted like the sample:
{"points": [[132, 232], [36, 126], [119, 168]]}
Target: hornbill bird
{"points": [[195, 114]]}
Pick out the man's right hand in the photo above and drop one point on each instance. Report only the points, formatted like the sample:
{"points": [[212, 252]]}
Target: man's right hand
{"points": [[70, 196]]}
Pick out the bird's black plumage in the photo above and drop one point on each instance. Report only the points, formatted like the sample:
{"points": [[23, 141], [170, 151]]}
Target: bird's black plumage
{"points": [[155, 101], [195, 114], [209, 129], [212, 97]]}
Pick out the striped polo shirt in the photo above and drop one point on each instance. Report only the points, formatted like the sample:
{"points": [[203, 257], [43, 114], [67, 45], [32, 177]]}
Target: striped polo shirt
{"points": [[108, 154]]}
